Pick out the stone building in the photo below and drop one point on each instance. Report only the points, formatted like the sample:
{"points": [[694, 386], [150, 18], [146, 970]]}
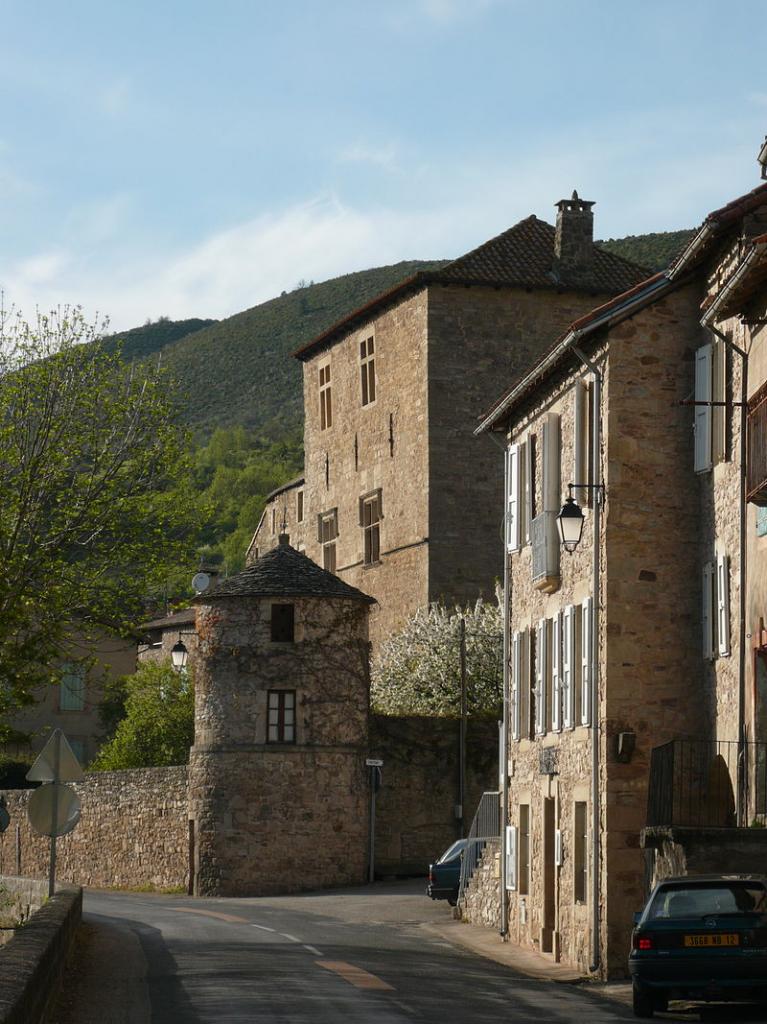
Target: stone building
{"points": [[628, 676], [277, 780], [397, 497], [283, 513]]}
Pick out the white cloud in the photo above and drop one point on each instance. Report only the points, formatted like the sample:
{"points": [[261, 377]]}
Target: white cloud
{"points": [[363, 153]]}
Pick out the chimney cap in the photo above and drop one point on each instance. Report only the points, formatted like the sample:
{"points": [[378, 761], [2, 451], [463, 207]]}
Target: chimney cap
{"points": [[762, 158], [284, 539], [574, 203]]}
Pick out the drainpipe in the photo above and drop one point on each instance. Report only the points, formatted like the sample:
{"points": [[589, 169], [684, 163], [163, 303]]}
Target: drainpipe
{"points": [[742, 527], [596, 846], [503, 745]]}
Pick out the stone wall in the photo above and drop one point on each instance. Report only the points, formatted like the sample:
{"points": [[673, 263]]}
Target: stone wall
{"points": [[133, 832], [415, 807], [481, 903], [674, 851], [19, 899]]}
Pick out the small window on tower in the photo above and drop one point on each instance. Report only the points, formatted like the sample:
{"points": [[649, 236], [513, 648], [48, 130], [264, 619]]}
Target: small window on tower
{"points": [[283, 623], [281, 725], [300, 507], [368, 371]]}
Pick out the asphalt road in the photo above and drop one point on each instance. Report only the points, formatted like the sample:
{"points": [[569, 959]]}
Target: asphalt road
{"points": [[368, 956]]}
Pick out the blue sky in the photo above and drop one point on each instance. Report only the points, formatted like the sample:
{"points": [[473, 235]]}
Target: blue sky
{"points": [[195, 158]]}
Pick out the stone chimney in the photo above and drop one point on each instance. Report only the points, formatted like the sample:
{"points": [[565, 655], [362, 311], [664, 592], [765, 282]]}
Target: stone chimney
{"points": [[574, 240], [762, 158]]}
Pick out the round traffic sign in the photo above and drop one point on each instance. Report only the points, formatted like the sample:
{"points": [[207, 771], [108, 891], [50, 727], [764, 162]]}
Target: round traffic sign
{"points": [[40, 809]]}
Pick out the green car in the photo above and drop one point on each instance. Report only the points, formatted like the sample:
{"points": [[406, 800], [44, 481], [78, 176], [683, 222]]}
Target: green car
{"points": [[700, 938], [445, 874]]}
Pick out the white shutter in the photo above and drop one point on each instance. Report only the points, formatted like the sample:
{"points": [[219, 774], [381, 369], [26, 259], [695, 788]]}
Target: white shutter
{"points": [[552, 486], [707, 611], [516, 684], [512, 498], [511, 856], [586, 615], [568, 667], [556, 673], [526, 683], [718, 393], [581, 439], [558, 847], [541, 673], [503, 760], [703, 374], [723, 604]]}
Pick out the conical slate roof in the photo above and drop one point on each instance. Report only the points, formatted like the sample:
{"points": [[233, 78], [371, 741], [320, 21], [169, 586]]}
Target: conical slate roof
{"points": [[284, 572]]}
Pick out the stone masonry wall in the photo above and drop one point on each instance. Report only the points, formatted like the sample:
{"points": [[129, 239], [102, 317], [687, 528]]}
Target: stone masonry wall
{"points": [[133, 832], [481, 903], [415, 807], [379, 445], [701, 851]]}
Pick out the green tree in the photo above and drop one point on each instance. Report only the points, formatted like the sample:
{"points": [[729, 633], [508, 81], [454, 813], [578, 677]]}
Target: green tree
{"points": [[158, 727], [95, 506], [418, 669]]}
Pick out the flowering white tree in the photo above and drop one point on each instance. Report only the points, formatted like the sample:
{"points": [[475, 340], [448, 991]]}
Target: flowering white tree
{"points": [[418, 670]]}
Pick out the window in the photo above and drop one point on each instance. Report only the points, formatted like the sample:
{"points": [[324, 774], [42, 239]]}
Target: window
{"points": [[370, 520], [78, 747], [556, 673], [511, 857], [326, 403], [530, 506], [282, 716], [542, 675], [520, 685], [327, 534], [274, 520], [715, 615], [299, 506], [568, 667], [710, 419], [368, 371], [756, 472], [72, 691], [524, 849], [283, 623], [580, 853], [515, 491]]}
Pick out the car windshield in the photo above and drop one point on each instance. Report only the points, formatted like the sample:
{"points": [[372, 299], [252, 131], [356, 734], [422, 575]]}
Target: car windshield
{"points": [[714, 898], [452, 851]]}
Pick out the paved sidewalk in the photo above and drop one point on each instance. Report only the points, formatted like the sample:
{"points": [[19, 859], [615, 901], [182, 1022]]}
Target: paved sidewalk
{"points": [[487, 942]]}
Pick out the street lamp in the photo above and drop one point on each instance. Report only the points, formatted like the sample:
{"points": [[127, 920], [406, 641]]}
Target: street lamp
{"points": [[570, 524], [179, 655]]}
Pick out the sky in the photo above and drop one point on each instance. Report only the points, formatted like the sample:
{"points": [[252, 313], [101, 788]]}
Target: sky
{"points": [[194, 158]]}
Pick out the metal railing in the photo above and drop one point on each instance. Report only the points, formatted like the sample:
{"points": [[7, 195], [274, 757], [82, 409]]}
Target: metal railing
{"points": [[485, 828], [708, 784]]}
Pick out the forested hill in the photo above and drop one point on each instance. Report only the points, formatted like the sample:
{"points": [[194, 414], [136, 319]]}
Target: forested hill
{"points": [[239, 371]]}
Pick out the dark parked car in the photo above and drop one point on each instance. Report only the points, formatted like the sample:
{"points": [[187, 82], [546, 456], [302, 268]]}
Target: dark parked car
{"points": [[701, 938], [445, 874]]}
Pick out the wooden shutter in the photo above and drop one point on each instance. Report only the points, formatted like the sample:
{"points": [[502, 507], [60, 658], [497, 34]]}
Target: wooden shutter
{"points": [[719, 394], [703, 374], [529, 483], [707, 611], [581, 438], [512, 498], [558, 847], [516, 684], [541, 675], [552, 486], [511, 856], [556, 673], [586, 619], [723, 604], [568, 667]]}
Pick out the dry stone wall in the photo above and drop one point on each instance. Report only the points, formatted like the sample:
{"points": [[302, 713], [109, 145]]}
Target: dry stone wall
{"points": [[133, 833]]}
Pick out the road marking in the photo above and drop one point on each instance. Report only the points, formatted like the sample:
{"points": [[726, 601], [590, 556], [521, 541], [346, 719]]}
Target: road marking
{"points": [[263, 928], [313, 949], [291, 937], [354, 975], [211, 913]]}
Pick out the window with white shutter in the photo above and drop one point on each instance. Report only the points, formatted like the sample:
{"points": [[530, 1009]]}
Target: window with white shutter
{"points": [[529, 485], [516, 685], [582, 441], [552, 483], [515, 472], [541, 675], [708, 618], [511, 857], [568, 667], [723, 604], [586, 619], [556, 673], [718, 394], [703, 419]]}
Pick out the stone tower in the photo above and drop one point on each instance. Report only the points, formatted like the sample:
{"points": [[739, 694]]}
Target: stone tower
{"points": [[277, 782]]}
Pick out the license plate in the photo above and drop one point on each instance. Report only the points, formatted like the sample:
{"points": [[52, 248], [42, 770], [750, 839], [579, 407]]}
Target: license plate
{"points": [[712, 940]]}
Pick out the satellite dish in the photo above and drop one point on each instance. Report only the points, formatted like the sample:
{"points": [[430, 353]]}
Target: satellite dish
{"points": [[200, 582]]}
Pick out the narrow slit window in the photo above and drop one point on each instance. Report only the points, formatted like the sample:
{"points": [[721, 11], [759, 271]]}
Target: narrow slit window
{"points": [[326, 402], [580, 850], [300, 507]]}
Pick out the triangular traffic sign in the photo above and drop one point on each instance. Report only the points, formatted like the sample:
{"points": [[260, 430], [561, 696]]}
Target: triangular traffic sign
{"points": [[56, 762]]}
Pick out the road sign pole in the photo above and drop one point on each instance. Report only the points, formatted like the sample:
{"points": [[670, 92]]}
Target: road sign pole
{"points": [[55, 812], [372, 849]]}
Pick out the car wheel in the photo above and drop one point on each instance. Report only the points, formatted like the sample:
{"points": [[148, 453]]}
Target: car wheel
{"points": [[643, 1003], [452, 900]]}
